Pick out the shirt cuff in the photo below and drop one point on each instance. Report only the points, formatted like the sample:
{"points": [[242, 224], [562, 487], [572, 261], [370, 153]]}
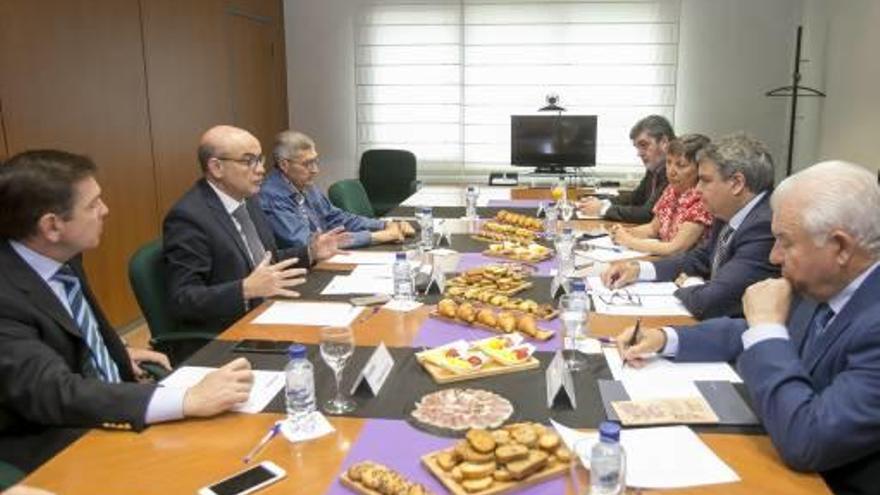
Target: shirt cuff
{"points": [[166, 404], [604, 208], [671, 347], [693, 281], [760, 333], [647, 273], [376, 224]]}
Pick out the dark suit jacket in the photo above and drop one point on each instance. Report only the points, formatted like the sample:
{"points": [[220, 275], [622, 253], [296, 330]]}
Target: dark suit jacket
{"points": [[639, 206], [47, 381], [821, 408], [206, 259], [748, 262]]}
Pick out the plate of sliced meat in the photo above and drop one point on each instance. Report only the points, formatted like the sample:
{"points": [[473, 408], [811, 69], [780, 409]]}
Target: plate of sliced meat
{"points": [[452, 412]]}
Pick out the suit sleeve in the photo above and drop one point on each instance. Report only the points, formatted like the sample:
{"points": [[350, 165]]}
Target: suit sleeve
{"points": [[718, 339], [638, 208], [187, 253], [816, 430], [37, 384]]}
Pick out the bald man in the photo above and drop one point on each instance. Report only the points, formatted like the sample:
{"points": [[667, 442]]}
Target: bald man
{"points": [[219, 250]]}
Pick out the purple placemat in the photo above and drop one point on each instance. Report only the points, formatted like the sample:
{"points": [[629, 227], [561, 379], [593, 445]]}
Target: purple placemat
{"points": [[399, 446], [434, 332], [466, 261], [514, 203]]}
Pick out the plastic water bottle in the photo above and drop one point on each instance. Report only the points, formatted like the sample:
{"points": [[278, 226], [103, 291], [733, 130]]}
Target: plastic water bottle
{"points": [[608, 462], [426, 222], [579, 290], [403, 282], [471, 196], [564, 249], [299, 388], [551, 217]]}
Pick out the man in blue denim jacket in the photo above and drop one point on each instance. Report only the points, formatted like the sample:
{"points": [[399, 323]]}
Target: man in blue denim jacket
{"points": [[297, 209]]}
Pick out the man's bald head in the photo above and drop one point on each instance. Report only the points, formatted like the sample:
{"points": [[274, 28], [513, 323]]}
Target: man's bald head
{"points": [[221, 140]]}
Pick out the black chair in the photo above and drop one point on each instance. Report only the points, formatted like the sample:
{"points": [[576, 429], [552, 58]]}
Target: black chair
{"points": [[389, 177]]}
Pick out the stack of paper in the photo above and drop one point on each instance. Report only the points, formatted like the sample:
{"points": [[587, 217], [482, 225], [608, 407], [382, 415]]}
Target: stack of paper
{"points": [[308, 313], [660, 371], [667, 457], [266, 385], [638, 299], [603, 249], [364, 258], [349, 284]]}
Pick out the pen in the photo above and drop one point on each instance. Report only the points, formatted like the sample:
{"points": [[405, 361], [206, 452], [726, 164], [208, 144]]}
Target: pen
{"points": [[263, 442], [634, 338], [616, 249]]}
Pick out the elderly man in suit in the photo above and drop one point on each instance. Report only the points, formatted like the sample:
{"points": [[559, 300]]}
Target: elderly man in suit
{"points": [[735, 177], [809, 347], [218, 246], [63, 367]]}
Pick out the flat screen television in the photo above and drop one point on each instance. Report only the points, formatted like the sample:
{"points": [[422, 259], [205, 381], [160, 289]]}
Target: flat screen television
{"points": [[553, 142]]}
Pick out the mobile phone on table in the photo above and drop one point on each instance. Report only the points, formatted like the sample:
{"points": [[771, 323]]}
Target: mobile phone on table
{"points": [[247, 481], [262, 346], [370, 300]]}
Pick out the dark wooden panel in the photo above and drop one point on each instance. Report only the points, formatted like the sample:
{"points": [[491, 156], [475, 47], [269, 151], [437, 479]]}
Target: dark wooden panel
{"points": [[72, 77]]}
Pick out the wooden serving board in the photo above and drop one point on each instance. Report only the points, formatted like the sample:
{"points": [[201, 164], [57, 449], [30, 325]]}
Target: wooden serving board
{"points": [[498, 487], [519, 240], [480, 304], [507, 292], [546, 334], [493, 254], [442, 375], [355, 486]]}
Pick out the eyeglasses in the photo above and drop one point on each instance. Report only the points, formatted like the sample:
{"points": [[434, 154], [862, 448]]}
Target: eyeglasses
{"points": [[621, 297], [250, 160], [313, 163]]}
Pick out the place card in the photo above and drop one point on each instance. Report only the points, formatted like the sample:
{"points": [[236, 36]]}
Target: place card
{"points": [[559, 379], [375, 372]]}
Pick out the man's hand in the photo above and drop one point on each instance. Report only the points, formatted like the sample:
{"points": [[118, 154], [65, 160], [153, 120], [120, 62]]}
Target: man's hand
{"points": [[273, 280], [590, 206], [391, 233], [220, 390], [327, 244], [138, 356], [767, 301], [650, 341], [620, 235], [406, 228], [620, 273]]}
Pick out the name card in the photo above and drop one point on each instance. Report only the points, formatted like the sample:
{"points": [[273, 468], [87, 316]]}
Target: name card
{"points": [[560, 382], [437, 282], [375, 372]]}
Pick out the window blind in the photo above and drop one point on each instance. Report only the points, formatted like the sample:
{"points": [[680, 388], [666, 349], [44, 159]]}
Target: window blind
{"points": [[442, 78]]}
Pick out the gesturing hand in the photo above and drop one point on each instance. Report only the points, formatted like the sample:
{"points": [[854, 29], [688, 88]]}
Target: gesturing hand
{"points": [[327, 244], [269, 280]]}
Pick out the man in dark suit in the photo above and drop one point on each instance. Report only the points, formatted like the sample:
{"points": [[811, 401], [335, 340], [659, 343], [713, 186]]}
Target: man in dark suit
{"points": [[809, 347], [650, 136], [218, 246], [736, 175], [63, 367]]}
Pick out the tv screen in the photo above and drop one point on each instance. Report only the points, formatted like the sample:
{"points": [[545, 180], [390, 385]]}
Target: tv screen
{"points": [[553, 141]]}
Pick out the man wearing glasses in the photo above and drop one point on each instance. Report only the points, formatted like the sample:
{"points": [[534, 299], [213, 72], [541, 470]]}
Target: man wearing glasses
{"points": [[298, 210], [219, 251]]}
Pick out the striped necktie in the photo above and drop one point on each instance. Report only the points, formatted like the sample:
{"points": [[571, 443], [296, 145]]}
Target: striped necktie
{"points": [[722, 248], [817, 326], [88, 325]]}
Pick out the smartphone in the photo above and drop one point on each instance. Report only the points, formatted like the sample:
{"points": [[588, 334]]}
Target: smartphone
{"points": [[262, 346], [247, 481], [370, 300]]}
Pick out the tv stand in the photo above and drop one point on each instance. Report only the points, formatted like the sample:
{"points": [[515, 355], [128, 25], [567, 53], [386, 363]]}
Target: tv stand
{"points": [[549, 170]]}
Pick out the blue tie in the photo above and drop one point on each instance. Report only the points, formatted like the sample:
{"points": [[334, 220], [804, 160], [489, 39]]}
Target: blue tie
{"points": [[820, 320], [88, 325]]}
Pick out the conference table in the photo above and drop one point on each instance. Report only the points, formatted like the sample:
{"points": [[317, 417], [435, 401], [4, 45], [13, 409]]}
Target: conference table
{"points": [[183, 456]]}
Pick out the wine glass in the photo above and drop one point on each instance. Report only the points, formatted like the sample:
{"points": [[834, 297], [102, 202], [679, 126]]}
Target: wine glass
{"points": [[573, 310], [337, 345]]}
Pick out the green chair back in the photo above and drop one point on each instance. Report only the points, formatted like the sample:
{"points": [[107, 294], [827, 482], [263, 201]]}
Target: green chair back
{"points": [[9, 475], [389, 177], [350, 195]]}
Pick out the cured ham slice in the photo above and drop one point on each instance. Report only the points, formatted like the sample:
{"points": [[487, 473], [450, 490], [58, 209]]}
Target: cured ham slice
{"points": [[461, 409]]}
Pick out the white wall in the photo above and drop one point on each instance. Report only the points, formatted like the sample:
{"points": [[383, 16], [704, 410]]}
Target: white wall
{"points": [[731, 52], [851, 113]]}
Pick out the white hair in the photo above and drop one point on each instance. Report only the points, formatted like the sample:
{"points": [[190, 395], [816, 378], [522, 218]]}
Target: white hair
{"points": [[836, 195]]}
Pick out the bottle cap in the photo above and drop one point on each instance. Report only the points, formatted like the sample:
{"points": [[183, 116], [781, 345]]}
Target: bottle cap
{"points": [[566, 230], [609, 431], [578, 286], [296, 351], [400, 256]]}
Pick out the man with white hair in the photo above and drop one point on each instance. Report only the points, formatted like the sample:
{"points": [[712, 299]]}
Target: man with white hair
{"points": [[809, 347]]}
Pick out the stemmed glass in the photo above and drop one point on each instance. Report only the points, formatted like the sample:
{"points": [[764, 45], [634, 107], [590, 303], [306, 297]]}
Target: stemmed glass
{"points": [[337, 345], [573, 310]]}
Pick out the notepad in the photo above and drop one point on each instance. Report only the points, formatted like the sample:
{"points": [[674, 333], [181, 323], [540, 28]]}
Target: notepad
{"points": [[308, 313], [346, 284], [662, 370], [364, 258], [596, 286], [604, 250], [266, 385]]}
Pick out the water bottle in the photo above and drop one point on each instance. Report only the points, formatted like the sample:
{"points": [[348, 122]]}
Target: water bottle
{"points": [[608, 462], [564, 250], [551, 216], [426, 221], [299, 388], [579, 291], [471, 196], [403, 282]]}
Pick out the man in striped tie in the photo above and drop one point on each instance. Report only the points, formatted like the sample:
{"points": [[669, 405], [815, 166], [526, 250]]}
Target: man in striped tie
{"points": [[62, 366]]}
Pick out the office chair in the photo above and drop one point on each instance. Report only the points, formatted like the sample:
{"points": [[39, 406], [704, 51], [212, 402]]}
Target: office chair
{"points": [[389, 177], [350, 195], [146, 273], [9, 475]]}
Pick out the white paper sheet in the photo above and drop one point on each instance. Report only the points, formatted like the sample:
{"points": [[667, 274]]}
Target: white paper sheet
{"points": [[603, 249], [402, 306], [649, 306], [648, 388], [664, 457], [364, 258], [319, 426], [266, 385], [660, 369], [346, 284], [372, 271], [596, 286], [589, 346], [308, 313]]}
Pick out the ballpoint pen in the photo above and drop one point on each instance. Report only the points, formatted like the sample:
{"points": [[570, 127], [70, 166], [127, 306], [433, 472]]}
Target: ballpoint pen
{"points": [[634, 338], [263, 442]]}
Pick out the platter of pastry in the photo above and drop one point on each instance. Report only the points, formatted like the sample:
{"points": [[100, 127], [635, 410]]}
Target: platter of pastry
{"points": [[491, 319], [502, 301], [506, 279], [500, 232], [492, 462], [519, 220], [462, 360], [372, 478], [531, 253]]}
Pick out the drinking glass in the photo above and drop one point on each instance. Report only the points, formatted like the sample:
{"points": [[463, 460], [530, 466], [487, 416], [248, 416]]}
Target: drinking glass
{"points": [[573, 310], [566, 210], [337, 345]]}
